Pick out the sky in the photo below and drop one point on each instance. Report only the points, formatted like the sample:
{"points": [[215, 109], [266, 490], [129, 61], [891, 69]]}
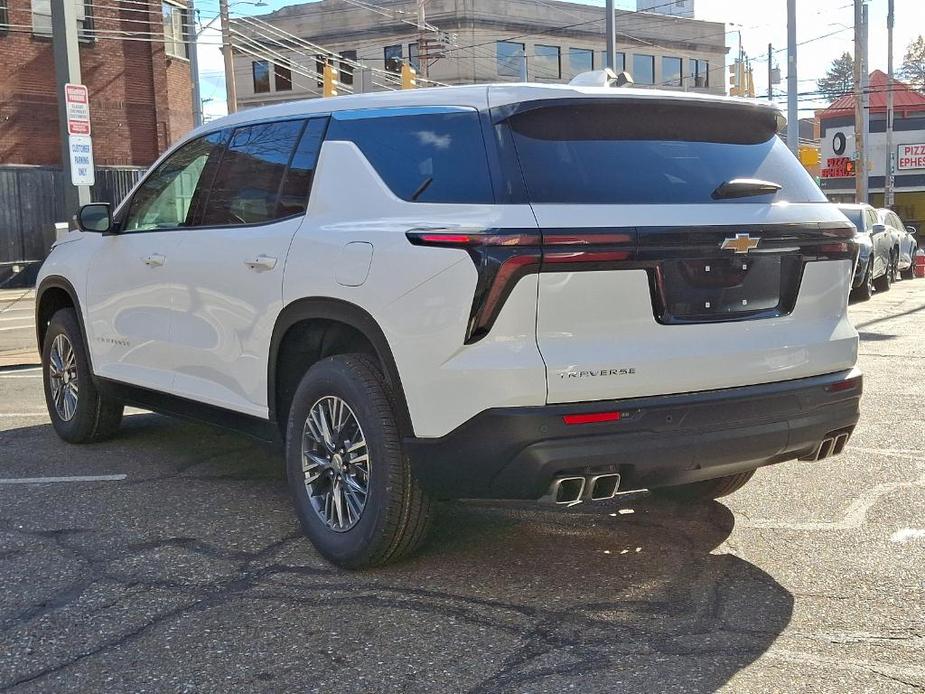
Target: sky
{"points": [[824, 28]]}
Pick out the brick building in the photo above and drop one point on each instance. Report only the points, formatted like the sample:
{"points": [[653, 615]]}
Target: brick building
{"points": [[134, 62], [139, 80]]}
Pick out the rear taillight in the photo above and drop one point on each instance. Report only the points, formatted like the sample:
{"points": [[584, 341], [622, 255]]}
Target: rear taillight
{"points": [[591, 418], [847, 384]]}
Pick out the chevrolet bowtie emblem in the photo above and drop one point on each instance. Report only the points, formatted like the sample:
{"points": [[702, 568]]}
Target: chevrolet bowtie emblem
{"points": [[742, 243]]}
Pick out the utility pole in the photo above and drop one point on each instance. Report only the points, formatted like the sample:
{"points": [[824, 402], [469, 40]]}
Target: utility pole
{"points": [[67, 70], [860, 173], [861, 115], [422, 42], [770, 72], [888, 180], [865, 101], [610, 52], [793, 115], [231, 92], [191, 37]]}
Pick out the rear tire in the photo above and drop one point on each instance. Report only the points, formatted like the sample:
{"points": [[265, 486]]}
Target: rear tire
{"points": [[391, 518], [704, 491], [79, 412]]}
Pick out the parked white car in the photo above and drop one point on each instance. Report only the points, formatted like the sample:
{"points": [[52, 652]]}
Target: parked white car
{"points": [[507, 291], [904, 243]]}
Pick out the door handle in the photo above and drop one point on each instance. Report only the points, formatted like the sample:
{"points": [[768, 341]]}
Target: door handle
{"points": [[155, 260], [261, 263]]}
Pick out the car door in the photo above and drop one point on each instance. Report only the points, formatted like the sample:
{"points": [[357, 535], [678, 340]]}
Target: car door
{"points": [[129, 296], [881, 240], [228, 271]]}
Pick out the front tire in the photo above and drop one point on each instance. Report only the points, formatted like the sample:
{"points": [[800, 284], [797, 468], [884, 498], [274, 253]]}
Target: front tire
{"points": [[353, 489], [909, 273], [707, 490], [865, 290], [79, 412], [883, 282]]}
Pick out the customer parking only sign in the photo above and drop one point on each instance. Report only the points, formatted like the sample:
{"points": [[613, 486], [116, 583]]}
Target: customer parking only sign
{"points": [[81, 148], [77, 102]]}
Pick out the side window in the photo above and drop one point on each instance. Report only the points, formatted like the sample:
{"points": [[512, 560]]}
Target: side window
{"points": [[164, 200], [246, 186], [293, 194], [426, 157]]}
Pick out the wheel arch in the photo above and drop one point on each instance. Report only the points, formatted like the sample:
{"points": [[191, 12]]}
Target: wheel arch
{"points": [[53, 294], [329, 312]]}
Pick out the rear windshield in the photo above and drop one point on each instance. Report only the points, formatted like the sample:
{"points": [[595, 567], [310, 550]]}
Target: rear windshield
{"points": [[638, 152]]}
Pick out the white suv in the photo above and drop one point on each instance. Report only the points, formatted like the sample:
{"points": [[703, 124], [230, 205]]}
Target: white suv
{"points": [[510, 291]]}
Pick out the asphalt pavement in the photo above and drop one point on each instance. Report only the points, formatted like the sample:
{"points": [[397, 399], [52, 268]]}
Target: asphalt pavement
{"points": [[176, 564]]}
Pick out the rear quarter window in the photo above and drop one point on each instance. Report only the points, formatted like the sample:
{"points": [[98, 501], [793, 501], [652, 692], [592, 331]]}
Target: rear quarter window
{"points": [[652, 152], [421, 157]]}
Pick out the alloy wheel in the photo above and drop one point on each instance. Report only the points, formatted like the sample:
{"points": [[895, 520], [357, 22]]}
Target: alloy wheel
{"points": [[62, 373], [335, 462]]}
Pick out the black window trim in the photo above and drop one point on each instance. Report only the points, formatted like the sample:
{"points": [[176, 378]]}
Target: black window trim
{"points": [[127, 203]]}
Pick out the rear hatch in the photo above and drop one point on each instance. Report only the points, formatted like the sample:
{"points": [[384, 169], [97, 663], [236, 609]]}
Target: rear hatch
{"points": [[684, 248]]}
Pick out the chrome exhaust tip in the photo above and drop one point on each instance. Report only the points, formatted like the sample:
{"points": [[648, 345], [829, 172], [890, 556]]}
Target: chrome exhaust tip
{"points": [[840, 442], [825, 448], [565, 491], [603, 487]]}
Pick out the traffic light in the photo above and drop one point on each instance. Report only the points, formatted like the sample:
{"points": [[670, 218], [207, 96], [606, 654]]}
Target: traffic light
{"points": [[809, 156], [850, 167], [408, 76], [735, 79], [331, 77]]}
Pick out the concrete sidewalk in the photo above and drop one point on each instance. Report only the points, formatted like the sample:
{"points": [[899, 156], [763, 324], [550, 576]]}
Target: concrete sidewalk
{"points": [[17, 328]]}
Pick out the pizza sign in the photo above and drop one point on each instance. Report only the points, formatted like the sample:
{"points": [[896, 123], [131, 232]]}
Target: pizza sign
{"points": [[910, 156], [838, 167]]}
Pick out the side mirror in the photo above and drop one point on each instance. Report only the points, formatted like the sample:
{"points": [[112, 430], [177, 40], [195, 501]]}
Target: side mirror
{"points": [[912, 230], [95, 217], [879, 228]]}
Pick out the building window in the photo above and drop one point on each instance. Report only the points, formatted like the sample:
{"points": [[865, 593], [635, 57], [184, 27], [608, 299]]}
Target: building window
{"points": [[282, 77], [413, 56], [175, 21], [261, 71], [580, 60], [643, 69], [41, 17], [393, 56], [619, 61], [671, 71], [320, 62], [511, 59], [700, 73], [546, 62], [346, 70]]}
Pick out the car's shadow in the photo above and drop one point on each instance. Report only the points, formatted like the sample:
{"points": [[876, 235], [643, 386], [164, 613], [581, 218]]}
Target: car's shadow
{"points": [[628, 595]]}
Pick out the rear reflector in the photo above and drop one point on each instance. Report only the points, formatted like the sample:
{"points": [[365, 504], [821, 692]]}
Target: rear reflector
{"points": [[849, 384], [591, 417]]}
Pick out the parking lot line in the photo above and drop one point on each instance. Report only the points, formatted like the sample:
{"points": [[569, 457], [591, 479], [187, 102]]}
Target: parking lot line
{"points": [[57, 480]]}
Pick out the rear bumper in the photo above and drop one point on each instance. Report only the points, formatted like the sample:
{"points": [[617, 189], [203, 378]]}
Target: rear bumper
{"points": [[515, 453]]}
